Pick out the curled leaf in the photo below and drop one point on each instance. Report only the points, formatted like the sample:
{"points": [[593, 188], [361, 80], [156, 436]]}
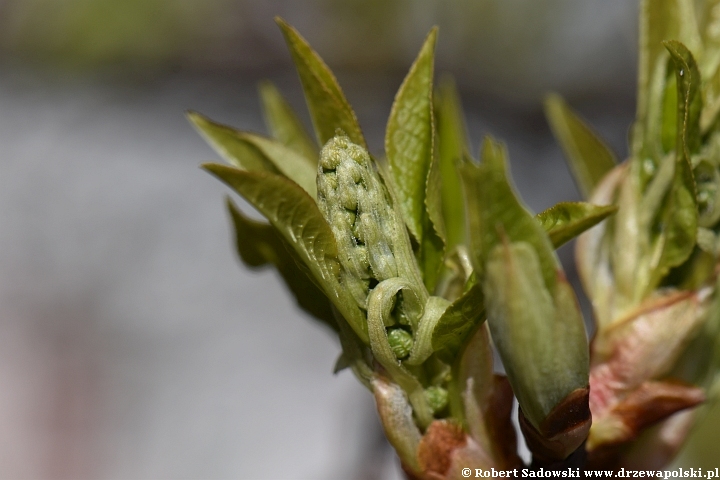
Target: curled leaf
{"points": [[434, 311], [380, 305]]}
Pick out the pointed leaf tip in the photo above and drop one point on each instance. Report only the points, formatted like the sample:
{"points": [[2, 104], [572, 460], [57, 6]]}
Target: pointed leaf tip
{"points": [[452, 148], [256, 153], [329, 109], [283, 123], [567, 220], [409, 137], [230, 144], [589, 158]]}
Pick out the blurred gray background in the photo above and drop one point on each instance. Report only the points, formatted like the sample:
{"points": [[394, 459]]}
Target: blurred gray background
{"points": [[132, 342]]}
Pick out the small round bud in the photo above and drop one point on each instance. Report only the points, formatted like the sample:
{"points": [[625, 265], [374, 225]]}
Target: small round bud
{"points": [[437, 398], [401, 342]]}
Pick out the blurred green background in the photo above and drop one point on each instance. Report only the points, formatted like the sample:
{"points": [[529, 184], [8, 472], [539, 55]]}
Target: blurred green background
{"points": [[518, 48]]}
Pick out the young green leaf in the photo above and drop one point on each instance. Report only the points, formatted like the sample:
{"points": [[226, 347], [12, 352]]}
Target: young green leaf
{"points": [[458, 322], [452, 148], [495, 215], [689, 99], [328, 106], [430, 257], [710, 31], [297, 168], [283, 124], [409, 138], [589, 158], [259, 153], [658, 22], [259, 244], [230, 145], [567, 220], [434, 200], [679, 214], [431, 253], [409, 146], [296, 217]]}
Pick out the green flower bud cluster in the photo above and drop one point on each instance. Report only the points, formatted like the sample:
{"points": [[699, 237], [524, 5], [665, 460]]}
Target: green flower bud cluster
{"points": [[353, 200], [379, 270]]}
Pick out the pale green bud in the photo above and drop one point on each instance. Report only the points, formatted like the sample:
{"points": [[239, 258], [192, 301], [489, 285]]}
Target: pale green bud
{"points": [[540, 335], [437, 398], [401, 342], [355, 203]]}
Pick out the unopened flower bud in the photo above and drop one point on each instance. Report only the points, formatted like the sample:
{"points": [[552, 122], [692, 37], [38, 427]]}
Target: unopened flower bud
{"points": [[437, 398], [541, 339], [355, 203], [401, 342]]}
